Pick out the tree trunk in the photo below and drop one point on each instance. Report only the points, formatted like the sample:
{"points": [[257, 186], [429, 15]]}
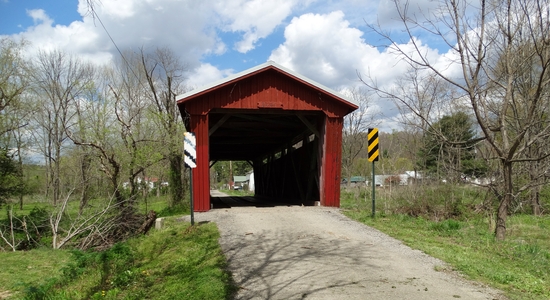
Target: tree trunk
{"points": [[506, 199], [535, 200], [133, 186], [21, 177], [535, 191], [116, 189], [176, 181], [57, 172], [148, 223], [85, 164]]}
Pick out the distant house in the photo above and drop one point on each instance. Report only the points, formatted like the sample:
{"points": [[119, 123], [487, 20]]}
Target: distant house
{"points": [[407, 178], [355, 181], [414, 177], [239, 182], [149, 182], [250, 176], [380, 180]]}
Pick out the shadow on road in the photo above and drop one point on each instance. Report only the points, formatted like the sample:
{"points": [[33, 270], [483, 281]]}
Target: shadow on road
{"points": [[316, 253], [283, 265], [220, 200]]}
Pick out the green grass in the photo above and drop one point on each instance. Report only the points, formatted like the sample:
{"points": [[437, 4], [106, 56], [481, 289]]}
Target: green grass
{"points": [[520, 265], [27, 208], [177, 262], [24, 268], [238, 193], [152, 202]]}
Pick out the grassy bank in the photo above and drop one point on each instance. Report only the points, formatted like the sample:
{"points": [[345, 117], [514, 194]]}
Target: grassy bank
{"points": [[520, 266], [23, 269], [177, 262]]}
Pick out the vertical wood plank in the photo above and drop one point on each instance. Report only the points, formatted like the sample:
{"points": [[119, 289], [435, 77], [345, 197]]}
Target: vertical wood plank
{"points": [[201, 178], [331, 162]]}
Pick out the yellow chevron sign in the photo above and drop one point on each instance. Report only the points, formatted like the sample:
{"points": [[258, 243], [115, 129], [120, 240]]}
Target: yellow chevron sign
{"points": [[373, 144]]}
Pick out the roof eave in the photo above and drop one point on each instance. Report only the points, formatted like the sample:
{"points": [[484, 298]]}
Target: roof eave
{"points": [[259, 68]]}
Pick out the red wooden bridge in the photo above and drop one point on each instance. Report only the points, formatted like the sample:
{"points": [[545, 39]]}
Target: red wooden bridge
{"points": [[287, 126]]}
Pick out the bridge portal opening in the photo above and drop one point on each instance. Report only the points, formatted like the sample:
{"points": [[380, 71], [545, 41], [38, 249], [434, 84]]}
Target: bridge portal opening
{"points": [[273, 154]]}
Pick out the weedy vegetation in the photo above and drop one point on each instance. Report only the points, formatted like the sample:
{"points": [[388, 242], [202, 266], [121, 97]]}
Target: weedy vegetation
{"points": [[178, 262], [452, 223]]}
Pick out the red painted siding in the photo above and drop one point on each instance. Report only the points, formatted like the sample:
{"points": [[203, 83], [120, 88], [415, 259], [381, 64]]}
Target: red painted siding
{"points": [[201, 178], [331, 162], [266, 88]]}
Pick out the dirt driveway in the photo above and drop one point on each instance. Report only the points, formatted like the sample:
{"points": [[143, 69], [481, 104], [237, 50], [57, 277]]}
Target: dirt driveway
{"points": [[318, 253]]}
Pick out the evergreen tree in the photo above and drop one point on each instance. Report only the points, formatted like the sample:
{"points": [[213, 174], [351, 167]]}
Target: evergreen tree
{"points": [[449, 148], [10, 183]]}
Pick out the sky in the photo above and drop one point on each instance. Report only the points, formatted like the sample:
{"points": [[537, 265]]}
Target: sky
{"points": [[327, 41]]}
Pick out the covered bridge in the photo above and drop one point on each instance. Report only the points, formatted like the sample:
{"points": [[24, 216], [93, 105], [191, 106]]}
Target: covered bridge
{"points": [[288, 127]]}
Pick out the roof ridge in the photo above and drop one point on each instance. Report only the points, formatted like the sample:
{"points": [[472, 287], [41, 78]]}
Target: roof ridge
{"points": [[260, 67]]}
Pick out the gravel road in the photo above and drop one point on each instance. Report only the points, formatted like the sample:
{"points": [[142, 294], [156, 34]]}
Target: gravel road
{"points": [[294, 252]]}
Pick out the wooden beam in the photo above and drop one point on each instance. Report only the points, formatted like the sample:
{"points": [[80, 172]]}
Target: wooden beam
{"points": [[218, 124], [212, 163], [309, 125], [297, 178]]}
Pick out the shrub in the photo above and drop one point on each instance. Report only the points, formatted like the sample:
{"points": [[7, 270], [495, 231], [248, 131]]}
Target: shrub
{"points": [[28, 230], [446, 227], [174, 210], [433, 202], [392, 180]]}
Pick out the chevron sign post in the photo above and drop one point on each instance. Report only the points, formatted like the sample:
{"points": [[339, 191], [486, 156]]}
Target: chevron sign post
{"points": [[190, 160], [372, 145], [190, 150]]}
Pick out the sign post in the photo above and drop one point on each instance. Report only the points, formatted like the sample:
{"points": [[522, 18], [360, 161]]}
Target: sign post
{"points": [[373, 156], [190, 160]]}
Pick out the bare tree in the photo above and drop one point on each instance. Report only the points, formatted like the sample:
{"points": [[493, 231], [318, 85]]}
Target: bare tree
{"points": [[399, 152], [491, 43], [137, 131], [165, 78], [354, 132], [536, 152], [59, 79], [8, 235], [14, 81], [115, 122], [422, 99], [97, 129]]}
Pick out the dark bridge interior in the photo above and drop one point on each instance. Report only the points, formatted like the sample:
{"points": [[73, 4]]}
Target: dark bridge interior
{"points": [[281, 146]]}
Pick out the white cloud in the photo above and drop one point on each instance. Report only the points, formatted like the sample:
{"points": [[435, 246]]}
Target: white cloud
{"points": [[119, 9], [324, 48], [256, 19], [206, 74], [358, 12], [327, 49], [189, 27], [324, 41], [39, 16], [184, 26]]}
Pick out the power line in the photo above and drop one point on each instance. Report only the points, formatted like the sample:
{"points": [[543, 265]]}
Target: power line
{"points": [[95, 15]]}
